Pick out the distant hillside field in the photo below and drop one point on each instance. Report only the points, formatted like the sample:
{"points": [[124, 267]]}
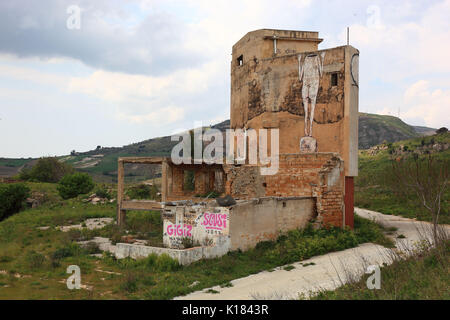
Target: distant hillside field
{"points": [[375, 188], [374, 129], [101, 163]]}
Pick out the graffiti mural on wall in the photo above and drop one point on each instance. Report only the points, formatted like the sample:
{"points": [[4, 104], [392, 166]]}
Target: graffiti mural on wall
{"points": [[181, 230], [310, 72], [212, 223], [215, 221], [204, 225]]}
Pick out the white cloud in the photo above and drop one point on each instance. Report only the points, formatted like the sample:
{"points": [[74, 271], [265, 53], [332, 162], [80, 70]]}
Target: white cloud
{"points": [[162, 116], [405, 48], [33, 75], [430, 105], [136, 95]]}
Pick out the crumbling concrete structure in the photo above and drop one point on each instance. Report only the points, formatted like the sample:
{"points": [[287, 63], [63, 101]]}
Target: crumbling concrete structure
{"points": [[279, 80]]}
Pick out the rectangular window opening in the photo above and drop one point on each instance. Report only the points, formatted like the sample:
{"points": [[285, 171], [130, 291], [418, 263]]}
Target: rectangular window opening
{"points": [[189, 180], [334, 79], [240, 60]]}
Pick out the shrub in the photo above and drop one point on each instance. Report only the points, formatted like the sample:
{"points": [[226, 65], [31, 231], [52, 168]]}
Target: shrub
{"points": [[187, 242], [143, 191], [48, 169], [63, 252], [442, 130], [130, 283], [150, 261], [92, 248], [12, 198], [75, 184], [35, 259], [74, 235], [102, 192], [166, 263]]}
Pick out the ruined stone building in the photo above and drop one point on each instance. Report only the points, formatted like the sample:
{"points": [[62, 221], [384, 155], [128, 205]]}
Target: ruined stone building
{"points": [[279, 80]]}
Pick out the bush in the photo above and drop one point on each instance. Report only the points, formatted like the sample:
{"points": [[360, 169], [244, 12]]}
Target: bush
{"points": [[151, 259], [92, 248], [48, 169], [102, 192], [130, 283], [166, 263], [75, 184], [143, 191], [12, 198], [35, 259], [442, 130]]}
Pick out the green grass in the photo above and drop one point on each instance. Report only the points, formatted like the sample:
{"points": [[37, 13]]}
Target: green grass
{"points": [[14, 163], [422, 277]]}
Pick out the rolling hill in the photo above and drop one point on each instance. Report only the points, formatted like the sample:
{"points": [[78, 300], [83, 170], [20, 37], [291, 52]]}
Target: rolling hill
{"points": [[102, 162]]}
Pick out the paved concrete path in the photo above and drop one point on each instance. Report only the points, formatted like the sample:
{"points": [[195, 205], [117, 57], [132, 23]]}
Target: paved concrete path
{"points": [[328, 271]]}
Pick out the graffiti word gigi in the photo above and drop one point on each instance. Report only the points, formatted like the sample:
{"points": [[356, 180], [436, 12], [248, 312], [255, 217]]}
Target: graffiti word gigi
{"points": [[181, 230]]}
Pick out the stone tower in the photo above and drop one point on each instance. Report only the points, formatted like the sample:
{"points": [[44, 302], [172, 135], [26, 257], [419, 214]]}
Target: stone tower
{"points": [[279, 79]]}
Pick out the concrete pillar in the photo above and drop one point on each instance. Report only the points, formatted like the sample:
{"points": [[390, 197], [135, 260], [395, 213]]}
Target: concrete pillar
{"points": [[164, 180], [177, 181], [201, 181], [349, 201], [121, 214]]}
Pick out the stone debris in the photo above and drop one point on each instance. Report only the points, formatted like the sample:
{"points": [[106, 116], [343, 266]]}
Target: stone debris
{"points": [[131, 239], [140, 242], [376, 149], [19, 276], [94, 199], [128, 239], [91, 224], [36, 199], [108, 272], [226, 201], [104, 244]]}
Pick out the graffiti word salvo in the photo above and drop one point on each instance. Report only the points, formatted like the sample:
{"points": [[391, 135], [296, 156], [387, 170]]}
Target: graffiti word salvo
{"points": [[216, 221]]}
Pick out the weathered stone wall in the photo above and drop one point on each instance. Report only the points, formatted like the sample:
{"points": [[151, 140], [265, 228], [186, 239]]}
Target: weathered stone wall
{"points": [[267, 93], [264, 219], [240, 226], [206, 178], [203, 224], [316, 175]]}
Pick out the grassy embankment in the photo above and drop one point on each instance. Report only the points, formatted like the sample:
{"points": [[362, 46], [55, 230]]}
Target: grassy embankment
{"points": [[424, 276]]}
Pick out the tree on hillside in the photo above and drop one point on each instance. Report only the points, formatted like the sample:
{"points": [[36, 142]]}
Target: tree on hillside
{"points": [[427, 178], [47, 169]]}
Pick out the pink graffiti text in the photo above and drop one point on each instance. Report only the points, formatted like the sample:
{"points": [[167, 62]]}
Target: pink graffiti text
{"points": [[215, 221], [181, 230]]}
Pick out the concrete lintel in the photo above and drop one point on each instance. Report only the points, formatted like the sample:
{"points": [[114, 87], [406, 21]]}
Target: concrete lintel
{"points": [[149, 160], [318, 40]]}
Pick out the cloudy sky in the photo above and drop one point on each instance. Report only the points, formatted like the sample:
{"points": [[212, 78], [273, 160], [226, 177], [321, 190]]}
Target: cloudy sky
{"points": [[139, 69]]}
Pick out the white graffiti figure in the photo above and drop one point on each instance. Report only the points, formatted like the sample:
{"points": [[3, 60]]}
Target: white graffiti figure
{"points": [[310, 71]]}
